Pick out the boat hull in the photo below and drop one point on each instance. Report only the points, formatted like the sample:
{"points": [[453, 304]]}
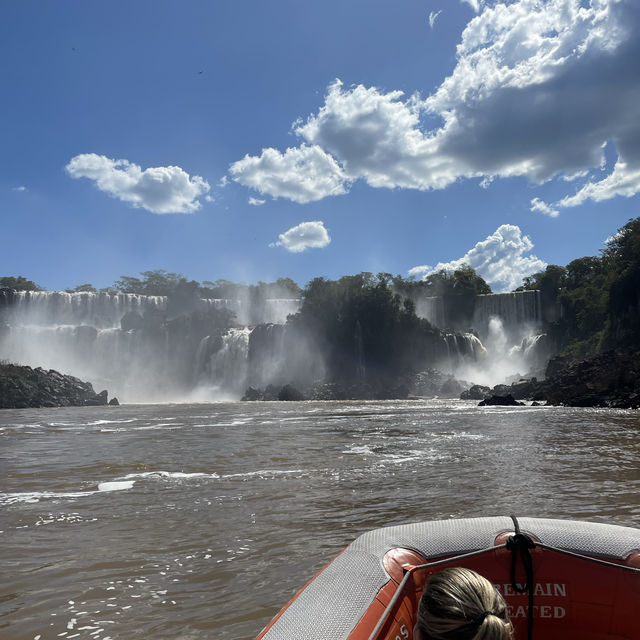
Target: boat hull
{"points": [[586, 580]]}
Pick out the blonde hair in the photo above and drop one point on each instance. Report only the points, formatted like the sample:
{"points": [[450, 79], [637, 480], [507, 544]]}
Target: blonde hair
{"points": [[460, 604]]}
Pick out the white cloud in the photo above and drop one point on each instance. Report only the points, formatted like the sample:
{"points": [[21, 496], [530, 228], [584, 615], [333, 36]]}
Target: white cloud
{"points": [[537, 90], [623, 181], [256, 202], [223, 182], [303, 174], [21, 188], [156, 189], [304, 236], [500, 259], [542, 207], [433, 16], [474, 4]]}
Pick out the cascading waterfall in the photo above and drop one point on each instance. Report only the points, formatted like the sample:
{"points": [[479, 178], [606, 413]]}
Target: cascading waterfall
{"points": [[507, 328], [515, 310], [127, 344]]}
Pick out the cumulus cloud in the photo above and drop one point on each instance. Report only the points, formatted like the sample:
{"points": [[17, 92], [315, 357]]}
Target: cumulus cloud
{"points": [[156, 189], [537, 90], [542, 207], [302, 174], [474, 4], [500, 259], [306, 235], [256, 202], [433, 16]]}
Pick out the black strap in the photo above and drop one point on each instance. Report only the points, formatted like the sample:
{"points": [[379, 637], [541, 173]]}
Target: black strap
{"points": [[520, 544]]}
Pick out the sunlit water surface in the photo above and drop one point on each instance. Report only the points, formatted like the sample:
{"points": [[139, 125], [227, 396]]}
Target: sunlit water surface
{"points": [[201, 521]]}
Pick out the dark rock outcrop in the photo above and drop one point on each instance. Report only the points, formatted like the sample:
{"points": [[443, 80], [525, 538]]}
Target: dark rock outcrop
{"points": [[476, 392], [23, 387], [290, 393], [500, 401], [610, 379]]}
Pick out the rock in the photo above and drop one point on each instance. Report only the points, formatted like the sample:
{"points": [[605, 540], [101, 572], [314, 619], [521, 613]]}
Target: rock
{"points": [[114, 402], [98, 399], [501, 401], [327, 391], [289, 393], [360, 391], [451, 388], [23, 387], [476, 392], [251, 395], [271, 392], [610, 379]]}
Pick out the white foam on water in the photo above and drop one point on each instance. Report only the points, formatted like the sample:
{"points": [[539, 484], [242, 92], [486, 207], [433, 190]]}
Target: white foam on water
{"points": [[359, 449], [166, 426], [169, 474], [96, 422], [118, 485], [263, 473], [37, 496]]}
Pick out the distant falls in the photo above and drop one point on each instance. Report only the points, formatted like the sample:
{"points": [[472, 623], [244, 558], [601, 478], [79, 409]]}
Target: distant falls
{"points": [[132, 346]]}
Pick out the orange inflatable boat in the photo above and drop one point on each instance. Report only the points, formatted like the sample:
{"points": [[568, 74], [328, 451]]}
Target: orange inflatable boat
{"points": [[561, 579]]}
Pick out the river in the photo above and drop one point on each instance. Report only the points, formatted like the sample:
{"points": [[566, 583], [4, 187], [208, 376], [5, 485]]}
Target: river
{"points": [[200, 521]]}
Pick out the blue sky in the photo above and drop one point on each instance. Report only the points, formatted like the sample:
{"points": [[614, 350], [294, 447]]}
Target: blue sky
{"points": [[252, 140]]}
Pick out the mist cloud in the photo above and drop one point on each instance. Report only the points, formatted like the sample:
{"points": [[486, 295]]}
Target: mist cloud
{"points": [[303, 236], [156, 189], [500, 259], [537, 91]]}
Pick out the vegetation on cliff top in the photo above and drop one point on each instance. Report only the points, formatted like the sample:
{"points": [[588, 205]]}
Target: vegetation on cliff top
{"points": [[599, 297]]}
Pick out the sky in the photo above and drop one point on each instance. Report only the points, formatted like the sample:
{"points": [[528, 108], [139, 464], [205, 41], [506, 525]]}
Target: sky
{"points": [[251, 140]]}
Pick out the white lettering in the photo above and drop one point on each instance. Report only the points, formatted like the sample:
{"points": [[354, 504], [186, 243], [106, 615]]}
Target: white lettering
{"points": [[542, 611], [548, 589]]}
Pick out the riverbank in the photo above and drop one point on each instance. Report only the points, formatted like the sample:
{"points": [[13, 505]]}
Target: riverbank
{"points": [[22, 387], [609, 380]]}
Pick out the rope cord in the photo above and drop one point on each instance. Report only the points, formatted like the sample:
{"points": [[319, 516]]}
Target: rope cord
{"points": [[521, 544]]}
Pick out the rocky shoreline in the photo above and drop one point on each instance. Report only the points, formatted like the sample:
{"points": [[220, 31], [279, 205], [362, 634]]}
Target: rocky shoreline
{"points": [[22, 387], [608, 380]]}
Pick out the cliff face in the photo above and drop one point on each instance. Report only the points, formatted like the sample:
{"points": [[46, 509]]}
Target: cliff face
{"points": [[610, 379], [24, 387]]}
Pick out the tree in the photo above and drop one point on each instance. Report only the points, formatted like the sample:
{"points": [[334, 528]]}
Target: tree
{"points": [[83, 288], [19, 283]]}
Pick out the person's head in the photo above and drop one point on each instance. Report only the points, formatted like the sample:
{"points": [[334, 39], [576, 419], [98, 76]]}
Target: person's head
{"points": [[460, 604]]}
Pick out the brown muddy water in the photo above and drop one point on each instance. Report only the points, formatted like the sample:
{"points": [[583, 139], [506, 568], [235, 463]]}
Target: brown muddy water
{"points": [[201, 521]]}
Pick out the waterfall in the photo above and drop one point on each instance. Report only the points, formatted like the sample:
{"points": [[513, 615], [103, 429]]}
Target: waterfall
{"points": [[461, 348], [100, 310], [432, 309], [515, 310], [229, 365]]}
